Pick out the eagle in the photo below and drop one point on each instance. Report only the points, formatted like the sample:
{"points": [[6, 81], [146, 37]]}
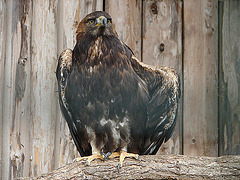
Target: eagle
{"points": [[114, 104]]}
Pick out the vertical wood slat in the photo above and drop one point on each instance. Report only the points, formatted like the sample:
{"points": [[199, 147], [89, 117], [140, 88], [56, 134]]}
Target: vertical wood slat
{"points": [[229, 78], [16, 112], [3, 30], [162, 46], [70, 13], [200, 78], [43, 98], [20, 117], [126, 17], [7, 93]]}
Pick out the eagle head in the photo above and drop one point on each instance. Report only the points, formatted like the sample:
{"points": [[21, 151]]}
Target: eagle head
{"points": [[98, 23]]}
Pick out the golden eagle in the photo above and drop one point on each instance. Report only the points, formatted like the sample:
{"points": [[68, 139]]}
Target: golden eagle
{"points": [[114, 104]]}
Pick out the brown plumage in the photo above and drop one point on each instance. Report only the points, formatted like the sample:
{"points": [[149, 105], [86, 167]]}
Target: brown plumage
{"points": [[112, 102]]}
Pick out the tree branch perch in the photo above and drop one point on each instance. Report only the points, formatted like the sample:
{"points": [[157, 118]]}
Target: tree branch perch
{"points": [[152, 167]]}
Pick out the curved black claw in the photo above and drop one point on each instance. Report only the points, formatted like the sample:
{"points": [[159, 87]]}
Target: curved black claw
{"points": [[87, 163], [139, 158], [119, 166]]}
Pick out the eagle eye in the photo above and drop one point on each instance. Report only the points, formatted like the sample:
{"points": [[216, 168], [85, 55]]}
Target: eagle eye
{"points": [[109, 21], [91, 21]]}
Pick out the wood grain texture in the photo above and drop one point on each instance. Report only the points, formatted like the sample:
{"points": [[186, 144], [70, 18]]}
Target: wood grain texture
{"points": [[3, 31], [43, 97], [200, 78], [229, 85], [126, 17], [152, 167], [7, 95], [162, 46], [21, 69]]}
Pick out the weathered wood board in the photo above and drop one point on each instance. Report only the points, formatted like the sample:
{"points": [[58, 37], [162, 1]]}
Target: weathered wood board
{"points": [[200, 122], [43, 97], [7, 93], [3, 30], [20, 119], [229, 84], [162, 46]]}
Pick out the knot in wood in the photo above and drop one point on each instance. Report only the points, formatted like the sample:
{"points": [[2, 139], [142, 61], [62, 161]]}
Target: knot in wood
{"points": [[161, 47], [154, 8], [22, 61], [193, 140]]}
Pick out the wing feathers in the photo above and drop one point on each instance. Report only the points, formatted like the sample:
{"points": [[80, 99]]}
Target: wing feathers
{"points": [[163, 87], [63, 72]]}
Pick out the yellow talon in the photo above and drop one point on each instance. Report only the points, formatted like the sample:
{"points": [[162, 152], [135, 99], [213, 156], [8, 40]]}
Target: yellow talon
{"points": [[114, 154], [89, 158], [122, 155]]}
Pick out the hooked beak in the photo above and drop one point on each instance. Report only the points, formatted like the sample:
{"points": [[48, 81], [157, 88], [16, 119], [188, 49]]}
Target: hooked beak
{"points": [[101, 21]]}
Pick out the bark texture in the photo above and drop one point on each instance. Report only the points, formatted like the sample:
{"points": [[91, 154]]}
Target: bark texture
{"points": [[152, 167]]}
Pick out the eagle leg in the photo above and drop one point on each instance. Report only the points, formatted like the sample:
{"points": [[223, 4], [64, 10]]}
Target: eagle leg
{"points": [[90, 158], [122, 155]]}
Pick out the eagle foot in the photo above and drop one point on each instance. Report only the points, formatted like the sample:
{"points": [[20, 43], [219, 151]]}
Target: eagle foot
{"points": [[122, 155], [90, 158], [80, 158]]}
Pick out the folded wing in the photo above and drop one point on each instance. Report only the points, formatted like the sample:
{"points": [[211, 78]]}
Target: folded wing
{"points": [[63, 72], [164, 91]]}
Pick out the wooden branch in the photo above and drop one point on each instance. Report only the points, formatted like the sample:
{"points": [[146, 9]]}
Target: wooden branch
{"points": [[152, 167]]}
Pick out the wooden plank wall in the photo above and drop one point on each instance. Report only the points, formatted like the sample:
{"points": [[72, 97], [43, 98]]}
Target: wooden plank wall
{"points": [[34, 137], [229, 78]]}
